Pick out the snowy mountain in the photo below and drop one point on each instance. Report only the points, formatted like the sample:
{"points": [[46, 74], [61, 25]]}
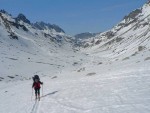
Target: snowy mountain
{"points": [[42, 26], [85, 35], [79, 38], [133, 30], [22, 17], [25, 45], [126, 44], [108, 73]]}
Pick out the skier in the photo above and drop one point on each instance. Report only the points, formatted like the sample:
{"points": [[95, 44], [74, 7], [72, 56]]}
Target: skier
{"points": [[36, 86]]}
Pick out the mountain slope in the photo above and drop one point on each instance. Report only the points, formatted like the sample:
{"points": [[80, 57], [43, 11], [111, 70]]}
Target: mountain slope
{"points": [[129, 37], [126, 47], [25, 45]]}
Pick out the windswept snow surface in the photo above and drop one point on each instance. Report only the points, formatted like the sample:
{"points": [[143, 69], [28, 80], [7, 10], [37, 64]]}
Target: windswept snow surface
{"points": [[123, 92], [109, 77]]}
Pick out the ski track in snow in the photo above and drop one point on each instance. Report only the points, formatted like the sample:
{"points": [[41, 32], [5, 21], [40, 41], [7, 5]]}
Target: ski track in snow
{"points": [[123, 93], [35, 107]]}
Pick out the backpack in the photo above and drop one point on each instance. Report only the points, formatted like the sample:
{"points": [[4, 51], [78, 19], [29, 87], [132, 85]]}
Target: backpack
{"points": [[36, 77]]}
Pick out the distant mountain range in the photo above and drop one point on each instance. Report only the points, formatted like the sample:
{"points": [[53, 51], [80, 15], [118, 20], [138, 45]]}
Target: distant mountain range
{"points": [[85, 35]]}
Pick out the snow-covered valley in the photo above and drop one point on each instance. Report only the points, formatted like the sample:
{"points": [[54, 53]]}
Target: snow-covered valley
{"points": [[109, 73]]}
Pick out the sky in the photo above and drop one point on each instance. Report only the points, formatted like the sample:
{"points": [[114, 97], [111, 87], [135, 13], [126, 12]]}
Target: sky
{"points": [[74, 16]]}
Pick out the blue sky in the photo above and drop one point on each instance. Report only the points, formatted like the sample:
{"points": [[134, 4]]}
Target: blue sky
{"points": [[74, 16]]}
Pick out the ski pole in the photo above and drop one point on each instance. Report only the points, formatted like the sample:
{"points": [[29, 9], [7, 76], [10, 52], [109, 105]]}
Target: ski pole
{"points": [[32, 94], [42, 90]]}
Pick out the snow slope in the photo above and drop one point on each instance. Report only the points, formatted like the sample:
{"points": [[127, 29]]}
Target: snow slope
{"points": [[110, 74], [22, 50], [123, 93]]}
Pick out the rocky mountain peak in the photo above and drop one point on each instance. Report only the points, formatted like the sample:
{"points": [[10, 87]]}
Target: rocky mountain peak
{"points": [[133, 14], [23, 18], [3, 11], [42, 25]]}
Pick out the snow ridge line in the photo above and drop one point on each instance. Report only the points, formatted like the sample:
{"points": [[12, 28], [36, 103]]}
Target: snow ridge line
{"points": [[105, 43]]}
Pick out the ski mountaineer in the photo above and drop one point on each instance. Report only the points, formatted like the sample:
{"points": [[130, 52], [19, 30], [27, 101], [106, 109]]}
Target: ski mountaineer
{"points": [[37, 85]]}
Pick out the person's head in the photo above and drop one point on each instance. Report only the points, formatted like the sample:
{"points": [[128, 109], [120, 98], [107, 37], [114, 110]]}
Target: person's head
{"points": [[36, 80]]}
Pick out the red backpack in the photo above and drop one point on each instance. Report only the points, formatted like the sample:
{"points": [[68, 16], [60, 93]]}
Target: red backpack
{"points": [[36, 84]]}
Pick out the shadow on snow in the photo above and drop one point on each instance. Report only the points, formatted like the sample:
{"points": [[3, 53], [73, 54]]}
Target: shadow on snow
{"points": [[49, 94]]}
